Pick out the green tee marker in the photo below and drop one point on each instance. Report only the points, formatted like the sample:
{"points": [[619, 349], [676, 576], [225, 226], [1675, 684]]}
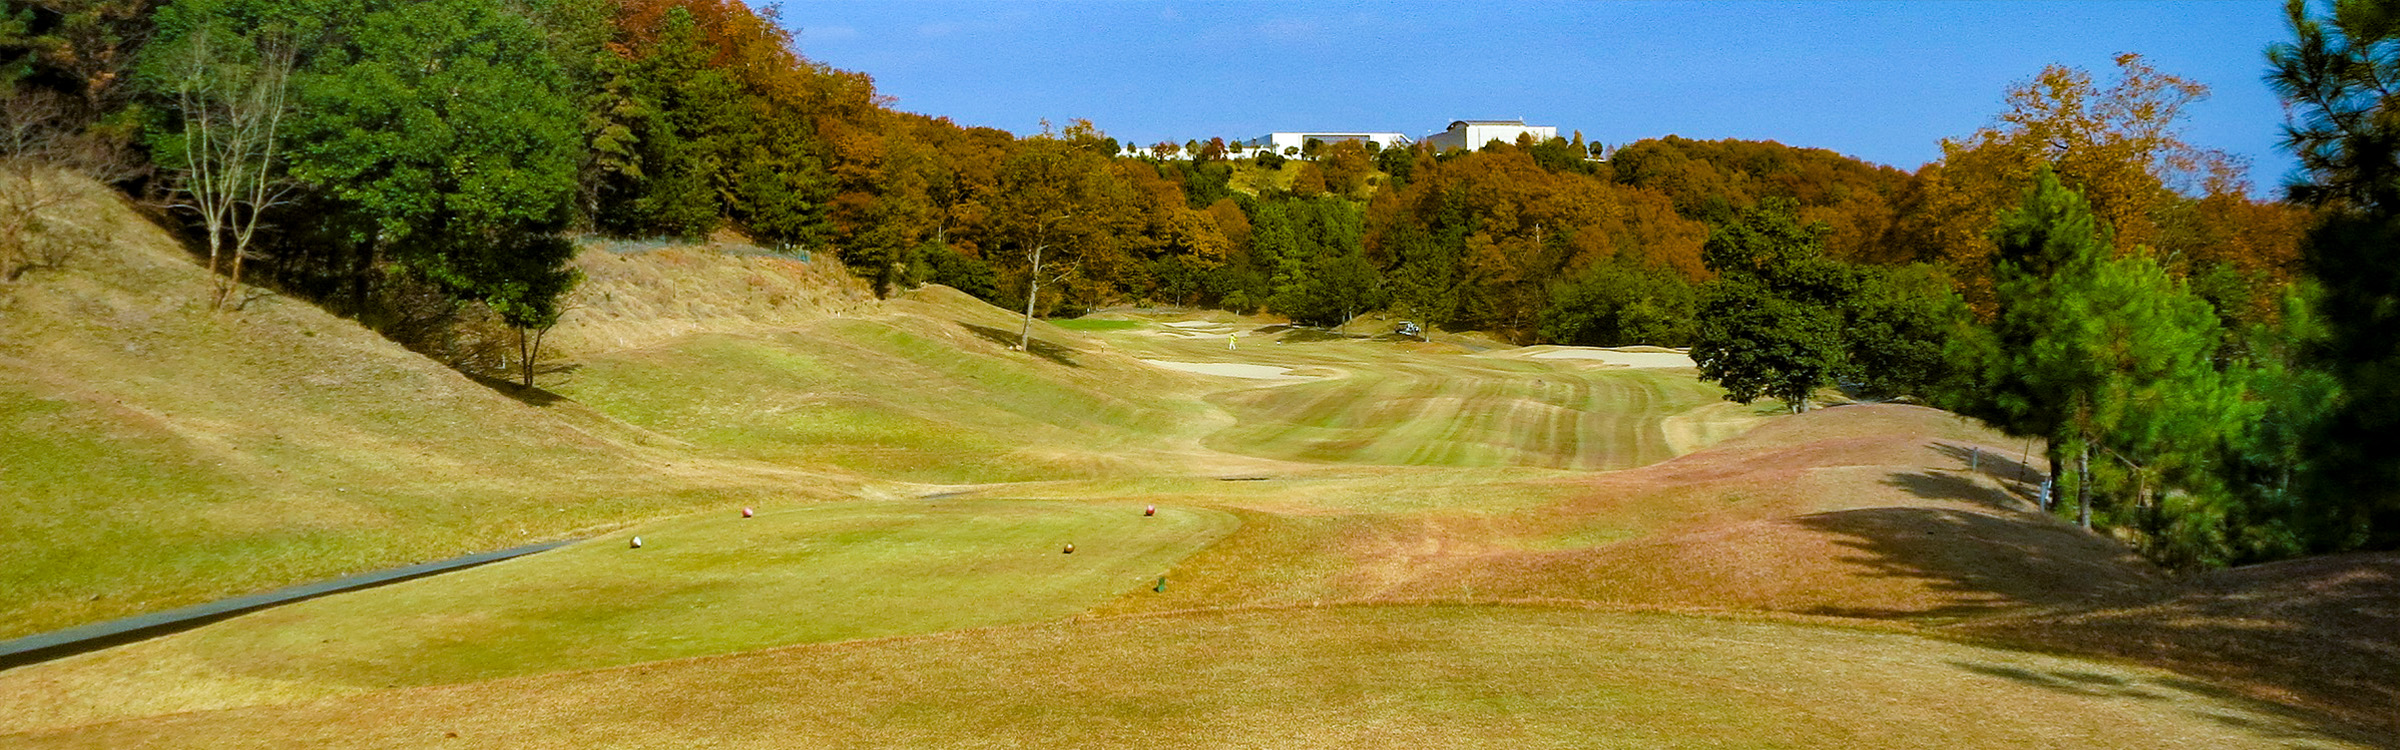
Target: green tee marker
{"points": [[1162, 585]]}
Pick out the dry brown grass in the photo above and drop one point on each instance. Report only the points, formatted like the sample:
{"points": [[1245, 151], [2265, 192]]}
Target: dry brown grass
{"points": [[1862, 511], [634, 300], [1332, 677], [2321, 632]]}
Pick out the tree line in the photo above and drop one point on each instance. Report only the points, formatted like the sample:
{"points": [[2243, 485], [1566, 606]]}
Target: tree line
{"points": [[2199, 362]]}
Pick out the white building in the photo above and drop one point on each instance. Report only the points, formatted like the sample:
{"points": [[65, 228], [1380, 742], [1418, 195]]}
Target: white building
{"points": [[1473, 134], [1299, 140]]}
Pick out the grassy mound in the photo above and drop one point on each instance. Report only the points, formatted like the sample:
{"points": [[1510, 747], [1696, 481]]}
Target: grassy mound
{"points": [[1389, 676], [923, 392], [632, 300], [155, 453], [1864, 511]]}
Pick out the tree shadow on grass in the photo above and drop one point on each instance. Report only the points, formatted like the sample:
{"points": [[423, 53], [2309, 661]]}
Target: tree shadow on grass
{"points": [[530, 396], [2005, 467], [1959, 486], [2288, 726], [2064, 681], [1312, 335], [2322, 632], [1038, 347], [1978, 563], [2325, 630]]}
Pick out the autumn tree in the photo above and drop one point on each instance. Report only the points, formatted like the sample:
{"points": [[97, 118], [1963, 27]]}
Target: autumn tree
{"points": [[2121, 145], [1050, 214], [1709, 180], [1478, 239], [1346, 169]]}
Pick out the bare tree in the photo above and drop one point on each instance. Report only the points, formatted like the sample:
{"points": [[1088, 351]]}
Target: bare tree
{"points": [[38, 146], [233, 112]]}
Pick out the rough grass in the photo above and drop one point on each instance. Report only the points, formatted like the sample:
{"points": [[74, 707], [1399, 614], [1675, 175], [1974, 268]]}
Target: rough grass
{"points": [[700, 585], [1096, 324], [1359, 676], [1867, 511], [2320, 631], [154, 453]]}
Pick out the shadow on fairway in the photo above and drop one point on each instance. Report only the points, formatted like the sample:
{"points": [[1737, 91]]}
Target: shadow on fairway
{"points": [[1989, 563], [2320, 629], [533, 396], [1040, 348], [2024, 478], [2293, 727], [1958, 486]]}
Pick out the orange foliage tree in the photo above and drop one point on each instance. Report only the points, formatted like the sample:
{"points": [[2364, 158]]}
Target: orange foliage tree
{"points": [[2122, 146]]}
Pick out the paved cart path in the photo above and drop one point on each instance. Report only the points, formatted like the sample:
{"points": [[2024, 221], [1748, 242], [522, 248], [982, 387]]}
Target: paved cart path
{"points": [[55, 644]]}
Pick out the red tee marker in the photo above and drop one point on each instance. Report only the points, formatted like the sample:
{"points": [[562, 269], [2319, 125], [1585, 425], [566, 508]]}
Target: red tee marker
{"points": [[1150, 510], [745, 512]]}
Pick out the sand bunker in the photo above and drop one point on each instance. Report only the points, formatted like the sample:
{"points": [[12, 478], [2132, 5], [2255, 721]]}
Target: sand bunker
{"points": [[1640, 359], [1231, 369]]}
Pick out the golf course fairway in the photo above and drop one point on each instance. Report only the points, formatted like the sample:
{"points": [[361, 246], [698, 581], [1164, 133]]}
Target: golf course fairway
{"points": [[1391, 542], [1489, 676]]}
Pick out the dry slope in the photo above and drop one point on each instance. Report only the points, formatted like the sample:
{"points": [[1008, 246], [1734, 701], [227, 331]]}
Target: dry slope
{"points": [[156, 453]]}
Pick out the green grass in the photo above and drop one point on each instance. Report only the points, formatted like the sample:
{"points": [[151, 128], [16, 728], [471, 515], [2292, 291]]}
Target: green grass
{"points": [[890, 401], [1467, 413], [1378, 676], [152, 462], [700, 585]]}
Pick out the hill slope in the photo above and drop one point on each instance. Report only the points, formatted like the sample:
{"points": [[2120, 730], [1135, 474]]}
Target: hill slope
{"points": [[155, 453]]}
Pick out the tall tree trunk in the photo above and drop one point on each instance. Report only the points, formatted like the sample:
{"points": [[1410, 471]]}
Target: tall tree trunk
{"points": [[2083, 488], [1033, 286], [2058, 471], [525, 353], [362, 265]]}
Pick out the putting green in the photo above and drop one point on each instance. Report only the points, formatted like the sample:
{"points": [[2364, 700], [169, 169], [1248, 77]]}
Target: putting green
{"points": [[1363, 676], [699, 585]]}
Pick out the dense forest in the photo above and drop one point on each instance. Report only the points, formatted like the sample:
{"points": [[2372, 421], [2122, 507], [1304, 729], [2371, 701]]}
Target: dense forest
{"points": [[2204, 366]]}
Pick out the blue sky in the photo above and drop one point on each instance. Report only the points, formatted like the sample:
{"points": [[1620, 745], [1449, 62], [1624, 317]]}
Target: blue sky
{"points": [[1882, 81]]}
